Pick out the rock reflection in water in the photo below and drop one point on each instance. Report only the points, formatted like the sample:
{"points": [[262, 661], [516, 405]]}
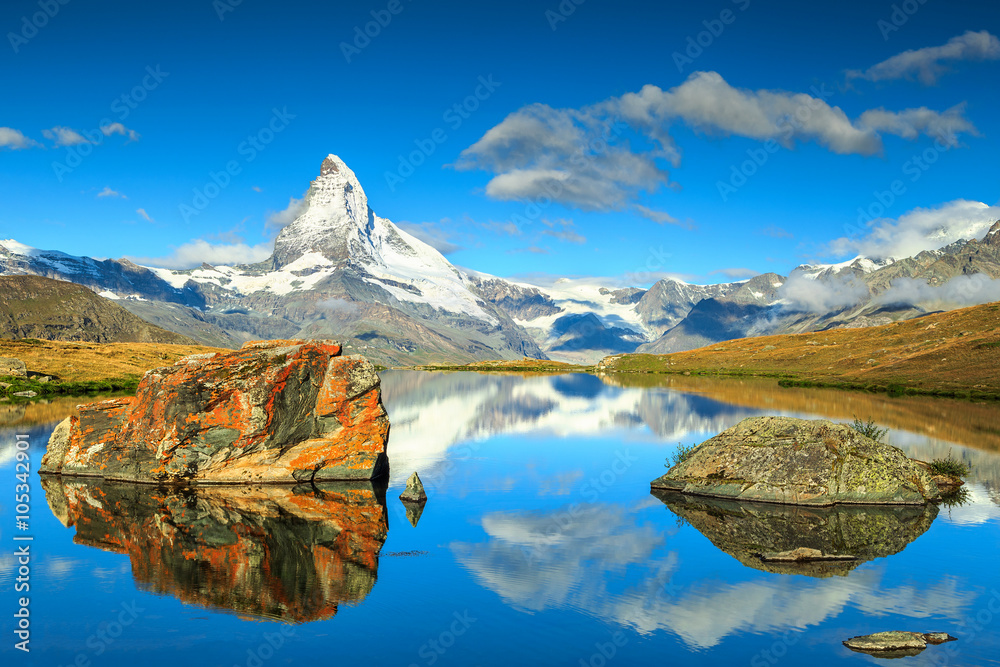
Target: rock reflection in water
{"points": [[292, 554], [744, 530]]}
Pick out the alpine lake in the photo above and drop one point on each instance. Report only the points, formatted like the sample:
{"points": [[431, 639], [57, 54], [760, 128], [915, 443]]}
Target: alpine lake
{"points": [[540, 543]]}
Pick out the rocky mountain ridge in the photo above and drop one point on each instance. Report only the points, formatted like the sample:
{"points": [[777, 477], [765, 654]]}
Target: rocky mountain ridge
{"points": [[341, 271]]}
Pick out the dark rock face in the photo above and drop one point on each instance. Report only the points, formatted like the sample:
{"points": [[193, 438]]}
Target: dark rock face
{"points": [[800, 462], [280, 552], [277, 411], [755, 533]]}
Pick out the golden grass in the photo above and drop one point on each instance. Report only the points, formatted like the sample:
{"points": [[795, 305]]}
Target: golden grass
{"points": [[954, 351], [72, 361]]}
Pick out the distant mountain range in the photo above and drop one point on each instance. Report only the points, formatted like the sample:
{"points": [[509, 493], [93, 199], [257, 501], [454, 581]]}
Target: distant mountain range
{"points": [[341, 271]]}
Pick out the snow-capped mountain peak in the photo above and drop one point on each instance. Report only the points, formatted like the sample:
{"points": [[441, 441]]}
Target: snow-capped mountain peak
{"points": [[335, 212]]}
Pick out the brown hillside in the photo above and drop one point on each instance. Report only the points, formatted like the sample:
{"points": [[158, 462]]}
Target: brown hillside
{"points": [[955, 351], [36, 307]]}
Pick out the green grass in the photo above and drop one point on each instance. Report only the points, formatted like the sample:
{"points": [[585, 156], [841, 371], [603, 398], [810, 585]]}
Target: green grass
{"points": [[951, 466], [68, 388], [870, 429]]}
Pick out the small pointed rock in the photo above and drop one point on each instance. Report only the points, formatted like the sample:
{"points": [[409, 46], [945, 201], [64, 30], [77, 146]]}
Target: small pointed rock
{"points": [[413, 511], [414, 491]]}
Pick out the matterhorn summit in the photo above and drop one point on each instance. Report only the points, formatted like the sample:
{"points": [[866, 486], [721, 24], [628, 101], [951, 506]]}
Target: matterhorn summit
{"points": [[335, 213]]}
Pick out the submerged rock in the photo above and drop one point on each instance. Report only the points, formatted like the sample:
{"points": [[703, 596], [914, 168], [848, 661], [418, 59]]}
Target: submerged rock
{"points": [[275, 411], [272, 551], [414, 491], [785, 539], [800, 462], [896, 644], [802, 555]]}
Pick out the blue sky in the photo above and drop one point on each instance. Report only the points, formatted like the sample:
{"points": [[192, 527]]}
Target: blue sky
{"points": [[521, 180]]}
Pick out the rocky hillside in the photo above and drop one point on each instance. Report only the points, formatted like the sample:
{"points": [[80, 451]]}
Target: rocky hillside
{"points": [[36, 307]]}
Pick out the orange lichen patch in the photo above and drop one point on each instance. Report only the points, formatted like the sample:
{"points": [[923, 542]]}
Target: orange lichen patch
{"points": [[271, 411]]}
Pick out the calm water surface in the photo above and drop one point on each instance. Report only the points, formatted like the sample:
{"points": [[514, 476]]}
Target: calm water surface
{"points": [[540, 543]]}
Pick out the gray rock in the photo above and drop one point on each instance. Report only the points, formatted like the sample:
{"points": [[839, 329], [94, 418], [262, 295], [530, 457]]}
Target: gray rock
{"points": [[25, 394], [13, 367], [896, 644], [45, 379], [5, 385], [414, 491], [800, 462]]}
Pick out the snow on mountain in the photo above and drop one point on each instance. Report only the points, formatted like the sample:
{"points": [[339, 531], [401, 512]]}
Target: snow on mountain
{"points": [[336, 229], [859, 263]]}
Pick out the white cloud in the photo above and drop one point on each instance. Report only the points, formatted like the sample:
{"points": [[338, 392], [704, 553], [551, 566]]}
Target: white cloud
{"points": [[584, 157], [118, 128], [64, 136], [145, 216], [433, 234], [737, 273], [108, 192], [801, 293], [575, 157], [921, 229], [341, 307], [199, 251], [562, 229], [926, 64], [277, 220], [14, 139], [659, 217], [911, 123], [706, 102], [958, 292]]}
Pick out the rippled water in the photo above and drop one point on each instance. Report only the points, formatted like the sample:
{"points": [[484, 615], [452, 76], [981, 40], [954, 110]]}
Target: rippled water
{"points": [[540, 543]]}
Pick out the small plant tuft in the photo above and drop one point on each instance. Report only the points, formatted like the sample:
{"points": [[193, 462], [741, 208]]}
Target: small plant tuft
{"points": [[870, 429], [682, 454], [951, 466]]}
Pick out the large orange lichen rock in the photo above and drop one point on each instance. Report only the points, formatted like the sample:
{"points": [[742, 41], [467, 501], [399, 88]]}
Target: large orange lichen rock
{"points": [[275, 411]]}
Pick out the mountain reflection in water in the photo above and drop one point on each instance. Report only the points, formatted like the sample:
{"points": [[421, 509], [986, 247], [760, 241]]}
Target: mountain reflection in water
{"points": [[292, 554]]}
